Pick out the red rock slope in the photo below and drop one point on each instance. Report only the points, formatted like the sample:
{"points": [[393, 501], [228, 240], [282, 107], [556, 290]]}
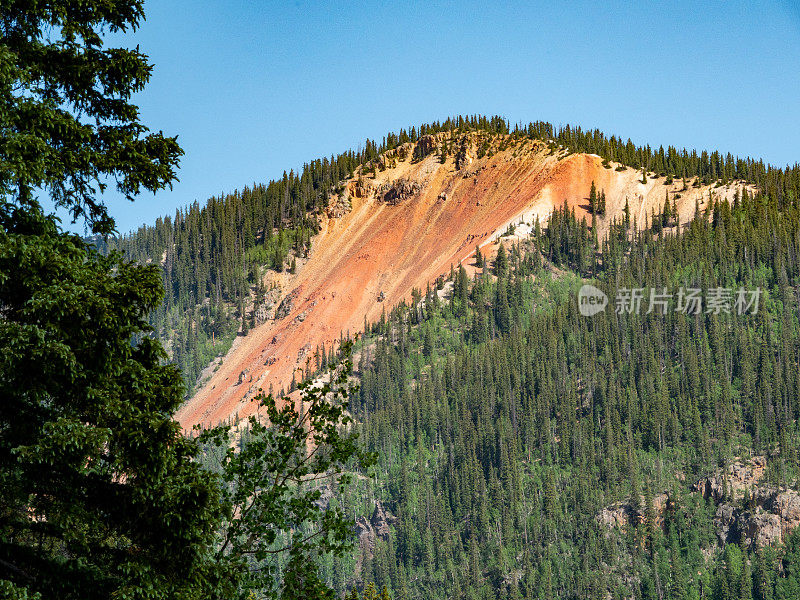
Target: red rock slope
{"points": [[441, 213]]}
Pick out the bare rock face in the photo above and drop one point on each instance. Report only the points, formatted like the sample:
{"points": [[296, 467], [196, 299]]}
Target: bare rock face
{"points": [[760, 528], [381, 520], [747, 513], [750, 528], [616, 516], [623, 514], [301, 354], [361, 189], [464, 156], [786, 504], [376, 527], [732, 483], [401, 190], [285, 307], [425, 145], [261, 313], [339, 205], [770, 514], [403, 150], [373, 529], [725, 522]]}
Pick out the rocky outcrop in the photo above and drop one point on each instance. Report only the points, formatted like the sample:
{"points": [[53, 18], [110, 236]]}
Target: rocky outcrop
{"points": [[403, 150], [617, 516], [362, 188], [381, 520], [425, 145], [370, 530], [624, 513], [786, 504], [301, 354], [769, 516], [748, 528], [286, 305], [261, 314], [389, 158], [401, 190], [339, 205], [731, 483], [748, 513], [464, 156]]}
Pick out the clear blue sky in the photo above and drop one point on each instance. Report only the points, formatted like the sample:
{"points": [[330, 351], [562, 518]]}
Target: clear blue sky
{"points": [[256, 88]]}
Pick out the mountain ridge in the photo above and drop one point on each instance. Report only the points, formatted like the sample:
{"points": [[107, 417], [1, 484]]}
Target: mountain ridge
{"points": [[378, 242]]}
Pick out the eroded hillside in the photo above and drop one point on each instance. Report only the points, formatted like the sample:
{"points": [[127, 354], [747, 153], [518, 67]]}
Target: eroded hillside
{"points": [[402, 222]]}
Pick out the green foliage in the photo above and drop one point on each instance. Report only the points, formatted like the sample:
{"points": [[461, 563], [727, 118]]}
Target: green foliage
{"points": [[501, 262], [505, 421], [10, 591], [274, 473], [99, 491], [67, 120], [478, 257], [210, 253], [100, 495]]}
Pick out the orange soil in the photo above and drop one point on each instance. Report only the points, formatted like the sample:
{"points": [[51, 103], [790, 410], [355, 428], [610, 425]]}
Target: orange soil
{"points": [[392, 249]]}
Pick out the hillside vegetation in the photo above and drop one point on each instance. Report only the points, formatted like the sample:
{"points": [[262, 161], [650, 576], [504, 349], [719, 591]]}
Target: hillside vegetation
{"points": [[215, 277], [404, 219], [527, 451]]}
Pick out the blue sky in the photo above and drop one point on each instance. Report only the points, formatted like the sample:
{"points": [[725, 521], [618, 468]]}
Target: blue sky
{"points": [[256, 88]]}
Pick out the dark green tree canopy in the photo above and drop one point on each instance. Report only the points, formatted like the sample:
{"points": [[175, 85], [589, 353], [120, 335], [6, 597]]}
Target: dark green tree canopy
{"points": [[68, 124], [99, 490], [101, 494]]}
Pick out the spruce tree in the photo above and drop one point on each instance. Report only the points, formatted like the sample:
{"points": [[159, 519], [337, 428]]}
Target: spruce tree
{"points": [[84, 402], [666, 212], [501, 262], [100, 494], [478, 257]]}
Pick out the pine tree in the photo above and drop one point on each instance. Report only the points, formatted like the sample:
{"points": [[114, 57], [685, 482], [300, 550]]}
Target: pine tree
{"points": [[478, 257], [627, 213], [501, 262], [746, 582], [83, 405], [666, 214]]}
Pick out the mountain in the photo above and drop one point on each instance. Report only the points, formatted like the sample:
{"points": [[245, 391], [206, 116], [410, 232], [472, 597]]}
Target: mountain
{"points": [[524, 449], [405, 219]]}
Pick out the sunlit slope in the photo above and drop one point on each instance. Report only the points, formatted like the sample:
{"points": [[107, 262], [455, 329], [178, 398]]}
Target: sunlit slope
{"points": [[395, 229]]}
